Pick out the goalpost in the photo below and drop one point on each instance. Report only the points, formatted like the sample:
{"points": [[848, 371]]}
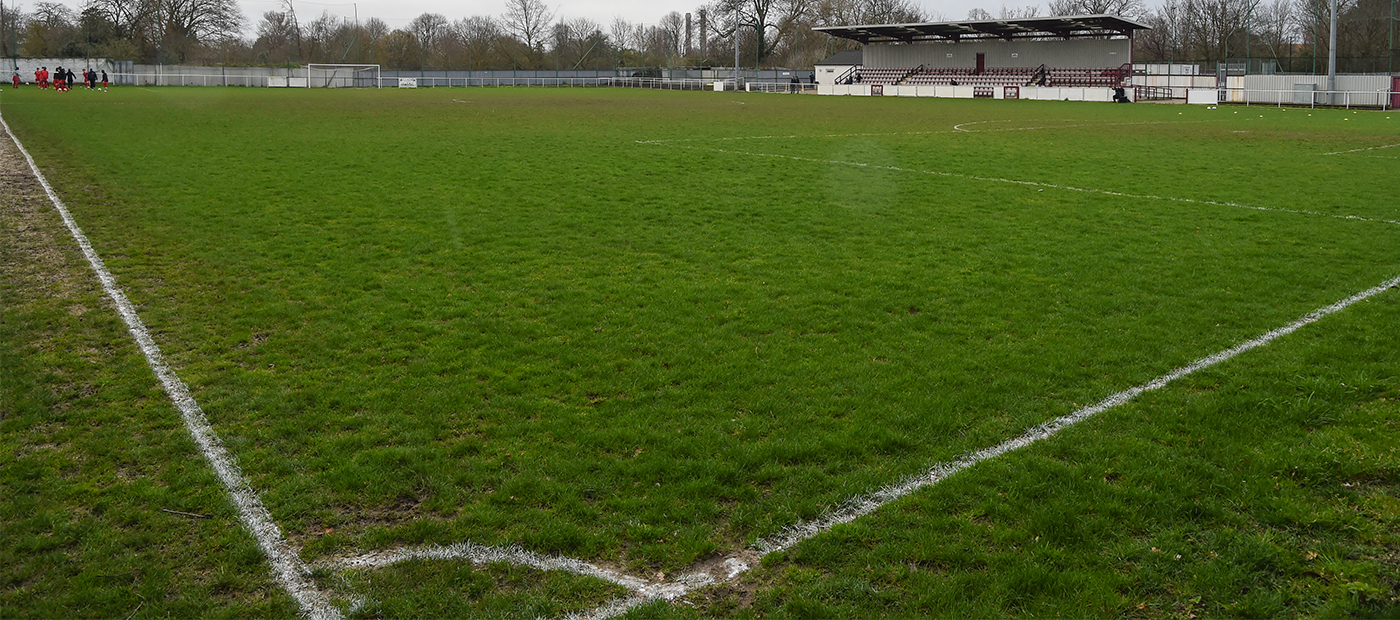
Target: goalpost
{"points": [[327, 75]]}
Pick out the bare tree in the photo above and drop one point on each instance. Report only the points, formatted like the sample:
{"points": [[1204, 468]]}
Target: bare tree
{"points": [[1215, 28], [1127, 8], [672, 26], [1164, 40], [125, 16], [528, 21], [429, 29], [572, 39], [621, 32], [782, 17], [184, 24], [50, 31], [889, 12], [1275, 25], [400, 49], [1364, 29], [374, 32], [478, 35], [1011, 12], [276, 38]]}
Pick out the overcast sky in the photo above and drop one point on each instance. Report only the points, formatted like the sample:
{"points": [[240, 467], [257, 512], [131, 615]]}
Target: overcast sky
{"points": [[398, 13]]}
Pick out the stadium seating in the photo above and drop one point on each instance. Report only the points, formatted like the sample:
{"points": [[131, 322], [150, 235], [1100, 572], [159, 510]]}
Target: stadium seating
{"points": [[992, 76], [1079, 76], [995, 76], [880, 75]]}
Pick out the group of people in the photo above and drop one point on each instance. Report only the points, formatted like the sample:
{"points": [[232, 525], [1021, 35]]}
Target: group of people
{"points": [[62, 79]]}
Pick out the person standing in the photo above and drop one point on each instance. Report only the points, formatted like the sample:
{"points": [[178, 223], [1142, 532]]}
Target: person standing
{"points": [[39, 78], [16, 78], [104, 80], [70, 78]]}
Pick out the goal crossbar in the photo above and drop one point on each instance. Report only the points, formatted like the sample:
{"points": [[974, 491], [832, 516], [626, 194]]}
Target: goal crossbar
{"points": [[332, 71]]}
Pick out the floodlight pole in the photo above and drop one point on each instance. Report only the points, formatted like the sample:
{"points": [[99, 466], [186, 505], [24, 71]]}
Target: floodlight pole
{"points": [[1391, 59], [736, 47], [1332, 57]]}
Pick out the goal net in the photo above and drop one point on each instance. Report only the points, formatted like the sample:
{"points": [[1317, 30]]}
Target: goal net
{"points": [[342, 76]]}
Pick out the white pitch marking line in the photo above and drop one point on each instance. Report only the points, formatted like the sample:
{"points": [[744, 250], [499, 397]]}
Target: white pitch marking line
{"points": [[485, 554], [286, 564], [955, 129], [1083, 124], [642, 590], [1071, 188], [666, 591], [1369, 148], [862, 505]]}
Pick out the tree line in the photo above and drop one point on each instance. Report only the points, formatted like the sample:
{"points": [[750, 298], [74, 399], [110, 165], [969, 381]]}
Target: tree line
{"points": [[530, 34]]}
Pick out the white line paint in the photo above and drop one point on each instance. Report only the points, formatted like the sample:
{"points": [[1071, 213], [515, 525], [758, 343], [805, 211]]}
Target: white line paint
{"points": [[286, 565], [1371, 148], [863, 505], [1071, 188], [485, 554], [860, 506], [643, 591], [955, 129], [1079, 123], [289, 569], [667, 591]]}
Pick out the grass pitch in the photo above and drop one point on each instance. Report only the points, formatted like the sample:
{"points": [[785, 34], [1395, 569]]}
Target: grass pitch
{"points": [[646, 328]]}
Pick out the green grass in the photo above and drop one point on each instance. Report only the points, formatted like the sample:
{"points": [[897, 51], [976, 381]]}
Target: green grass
{"points": [[91, 453], [494, 315]]}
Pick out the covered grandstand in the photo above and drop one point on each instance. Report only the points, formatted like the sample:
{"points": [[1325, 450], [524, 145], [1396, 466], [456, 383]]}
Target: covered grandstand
{"points": [[1079, 51]]}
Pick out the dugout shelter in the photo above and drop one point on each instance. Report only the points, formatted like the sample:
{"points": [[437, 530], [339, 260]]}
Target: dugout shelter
{"points": [[1073, 51]]}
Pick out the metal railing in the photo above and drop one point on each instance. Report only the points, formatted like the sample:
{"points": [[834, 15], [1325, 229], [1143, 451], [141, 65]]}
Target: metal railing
{"points": [[188, 79], [1151, 93], [1383, 98], [781, 87], [496, 82], [392, 81], [658, 83]]}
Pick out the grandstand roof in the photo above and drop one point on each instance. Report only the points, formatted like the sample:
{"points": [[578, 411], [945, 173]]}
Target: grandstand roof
{"points": [[848, 57], [1065, 26]]}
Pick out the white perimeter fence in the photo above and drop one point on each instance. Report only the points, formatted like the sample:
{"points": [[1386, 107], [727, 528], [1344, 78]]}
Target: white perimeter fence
{"points": [[781, 87], [1384, 99], [298, 80], [1381, 98]]}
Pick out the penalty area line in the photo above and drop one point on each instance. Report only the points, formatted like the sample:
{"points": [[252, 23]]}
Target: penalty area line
{"points": [[286, 565]]}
